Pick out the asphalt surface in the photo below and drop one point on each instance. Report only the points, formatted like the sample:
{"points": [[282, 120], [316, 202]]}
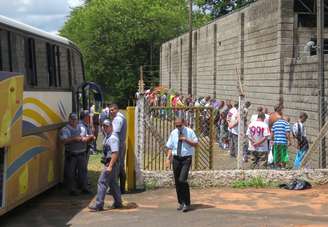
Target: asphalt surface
{"points": [[210, 207]]}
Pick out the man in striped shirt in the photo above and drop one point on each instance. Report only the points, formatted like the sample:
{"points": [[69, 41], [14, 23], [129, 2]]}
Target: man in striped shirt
{"points": [[281, 138]]}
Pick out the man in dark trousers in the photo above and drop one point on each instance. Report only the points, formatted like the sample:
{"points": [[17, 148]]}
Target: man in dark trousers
{"points": [[120, 128], [75, 158], [181, 145]]}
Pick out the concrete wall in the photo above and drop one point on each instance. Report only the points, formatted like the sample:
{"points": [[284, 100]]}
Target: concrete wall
{"points": [[262, 43], [246, 41]]}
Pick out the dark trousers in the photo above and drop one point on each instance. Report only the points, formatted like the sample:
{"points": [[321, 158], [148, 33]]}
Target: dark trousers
{"points": [[181, 166], [122, 173], [76, 171]]}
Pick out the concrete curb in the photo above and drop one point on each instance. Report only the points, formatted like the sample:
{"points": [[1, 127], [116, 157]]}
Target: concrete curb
{"points": [[214, 178]]}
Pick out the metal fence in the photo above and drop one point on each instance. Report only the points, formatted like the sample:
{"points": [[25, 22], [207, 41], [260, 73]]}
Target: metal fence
{"points": [[159, 123]]}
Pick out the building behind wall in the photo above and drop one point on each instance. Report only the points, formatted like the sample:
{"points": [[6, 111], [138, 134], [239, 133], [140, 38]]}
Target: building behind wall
{"points": [[264, 43]]}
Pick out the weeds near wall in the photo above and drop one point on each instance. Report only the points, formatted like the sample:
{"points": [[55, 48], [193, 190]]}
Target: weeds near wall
{"points": [[254, 182]]}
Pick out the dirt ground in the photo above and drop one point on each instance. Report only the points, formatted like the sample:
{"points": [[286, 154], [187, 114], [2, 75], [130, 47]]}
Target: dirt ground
{"points": [[210, 207]]}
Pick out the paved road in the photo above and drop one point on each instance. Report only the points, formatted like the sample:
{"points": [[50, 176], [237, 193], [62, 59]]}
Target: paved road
{"points": [[211, 207]]}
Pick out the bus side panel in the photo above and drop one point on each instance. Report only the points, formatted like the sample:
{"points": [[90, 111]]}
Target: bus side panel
{"points": [[11, 93], [35, 161]]}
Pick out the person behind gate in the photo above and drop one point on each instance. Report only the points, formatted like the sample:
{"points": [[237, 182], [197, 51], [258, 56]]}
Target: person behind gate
{"points": [[109, 175], [181, 145]]}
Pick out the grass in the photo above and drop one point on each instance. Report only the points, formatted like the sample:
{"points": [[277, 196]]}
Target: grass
{"points": [[254, 182], [94, 169]]}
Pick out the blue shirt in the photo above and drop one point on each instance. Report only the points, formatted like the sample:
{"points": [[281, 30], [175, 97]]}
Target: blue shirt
{"points": [[280, 129], [186, 149], [75, 147]]}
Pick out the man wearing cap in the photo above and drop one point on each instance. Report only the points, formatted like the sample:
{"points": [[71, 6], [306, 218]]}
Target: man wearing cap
{"points": [[109, 175], [86, 132], [75, 159], [119, 128], [181, 145]]}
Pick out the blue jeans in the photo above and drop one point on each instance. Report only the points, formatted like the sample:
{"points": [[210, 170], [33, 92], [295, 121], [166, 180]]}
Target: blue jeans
{"points": [[299, 157]]}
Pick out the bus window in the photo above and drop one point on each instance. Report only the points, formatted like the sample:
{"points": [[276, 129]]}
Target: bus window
{"points": [[1, 64], [57, 64], [53, 58], [2, 176], [74, 69], [10, 58], [69, 65], [51, 66], [30, 62]]}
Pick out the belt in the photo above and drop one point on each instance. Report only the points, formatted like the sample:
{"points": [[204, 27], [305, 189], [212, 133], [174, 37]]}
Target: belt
{"points": [[77, 154], [182, 157]]}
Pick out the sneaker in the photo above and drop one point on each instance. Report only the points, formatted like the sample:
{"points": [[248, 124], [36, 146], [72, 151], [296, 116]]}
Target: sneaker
{"points": [[94, 208]]}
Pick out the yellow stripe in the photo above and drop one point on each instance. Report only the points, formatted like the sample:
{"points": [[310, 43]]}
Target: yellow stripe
{"points": [[52, 115], [35, 116]]}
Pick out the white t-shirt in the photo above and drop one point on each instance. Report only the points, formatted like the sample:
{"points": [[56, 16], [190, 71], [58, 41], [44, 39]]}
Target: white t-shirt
{"points": [[256, 131], [254, 118], [232, 118]]}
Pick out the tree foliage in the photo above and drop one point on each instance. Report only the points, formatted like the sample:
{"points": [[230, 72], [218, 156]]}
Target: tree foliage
{"points": [[117, 36], [217, 8]]}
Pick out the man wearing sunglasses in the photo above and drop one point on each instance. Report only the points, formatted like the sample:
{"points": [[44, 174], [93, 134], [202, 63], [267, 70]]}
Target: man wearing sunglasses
{"points": [[181, 145]]}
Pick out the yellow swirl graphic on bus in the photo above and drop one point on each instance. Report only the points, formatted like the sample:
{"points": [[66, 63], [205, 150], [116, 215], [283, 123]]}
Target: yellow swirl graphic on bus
{"points": [[54, 117]]}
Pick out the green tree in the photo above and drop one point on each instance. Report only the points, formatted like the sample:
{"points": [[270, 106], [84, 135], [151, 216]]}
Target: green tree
{"points": [[117, 36], [217, 8]]}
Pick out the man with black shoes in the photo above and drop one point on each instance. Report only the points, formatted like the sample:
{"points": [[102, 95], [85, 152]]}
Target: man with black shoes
{"points": [[75, 158], [181, 145], [109, 175]]}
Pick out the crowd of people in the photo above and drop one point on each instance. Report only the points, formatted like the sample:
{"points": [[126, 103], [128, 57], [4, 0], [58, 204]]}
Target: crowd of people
{"points": [[268, 134]]}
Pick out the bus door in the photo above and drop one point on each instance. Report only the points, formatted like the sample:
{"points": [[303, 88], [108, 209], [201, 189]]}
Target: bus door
{"points": [[89, 97]]}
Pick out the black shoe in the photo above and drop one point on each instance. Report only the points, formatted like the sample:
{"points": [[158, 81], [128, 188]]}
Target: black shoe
{"points": [[180, 206], [94, 208], [185, 208], [116, 206], [86, 192], [73, 193]]}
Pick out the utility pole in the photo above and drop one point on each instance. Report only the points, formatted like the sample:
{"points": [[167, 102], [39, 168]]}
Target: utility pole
{"points": [[321, 76], [190, 50]]}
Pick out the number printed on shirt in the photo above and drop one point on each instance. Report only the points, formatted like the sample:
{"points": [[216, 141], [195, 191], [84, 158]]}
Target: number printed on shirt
{"points": [[259, 131]]}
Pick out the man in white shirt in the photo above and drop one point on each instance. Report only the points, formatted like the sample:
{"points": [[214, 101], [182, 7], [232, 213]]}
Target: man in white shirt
{"points": [[120, 129], [258, 133], [181, 147], [255, 116], [233, 120]]}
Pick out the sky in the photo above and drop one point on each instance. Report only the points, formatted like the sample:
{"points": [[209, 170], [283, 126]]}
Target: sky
{"points": [[48, 15]]}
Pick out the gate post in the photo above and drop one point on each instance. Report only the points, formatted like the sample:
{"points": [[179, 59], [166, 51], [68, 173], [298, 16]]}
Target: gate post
{"points": [[198, 132], [130, 158], [140, 138], [241, 132], [212, 137]]}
